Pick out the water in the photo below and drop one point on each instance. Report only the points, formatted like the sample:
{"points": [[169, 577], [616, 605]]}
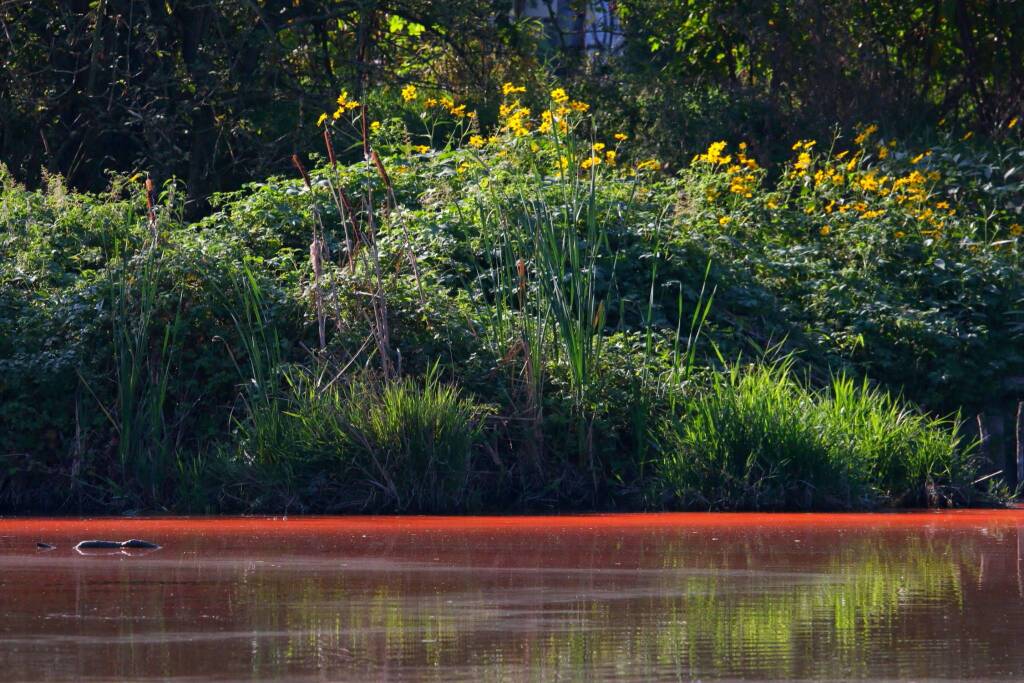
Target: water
{"points": [[615, 597]]}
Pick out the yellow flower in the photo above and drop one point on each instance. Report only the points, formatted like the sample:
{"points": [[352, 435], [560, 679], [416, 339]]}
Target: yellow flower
{"points": [[609, 157], [320, 121], [772, 204], [1013, 122], [579, 106], [430, 102], [421, 149], [825, 230], [714, 154], [621, 137], [968, 135], [803, 161], [899, 234], [598, 147], [476, 141], [942, 205], [883, 152], [724, 220], [409, 93], [559, 95], [649, 165], [865, 134], [1016, 230], [344, 103], [459, 111], [591, 162], [546, 117], [337, 114], [510, 88], [375, 126]]}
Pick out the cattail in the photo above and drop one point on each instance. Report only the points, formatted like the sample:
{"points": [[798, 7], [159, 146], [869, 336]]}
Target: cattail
{"points": [[330, 147], [380, 171], [521, 269], [151, 200], [316, 258], [302, 170]]}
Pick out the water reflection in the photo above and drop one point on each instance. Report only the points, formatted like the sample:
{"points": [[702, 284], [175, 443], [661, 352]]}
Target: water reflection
{"points": [[675, 598]]}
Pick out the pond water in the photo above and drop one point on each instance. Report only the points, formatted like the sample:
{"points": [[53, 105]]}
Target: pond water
{"points": [[601, 597]]}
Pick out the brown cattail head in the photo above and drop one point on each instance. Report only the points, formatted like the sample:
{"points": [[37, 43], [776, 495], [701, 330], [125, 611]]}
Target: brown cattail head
{"points": [[316, 258], [380, 169], [330, 147], [150, 199], [297, 163], [521, 270]]}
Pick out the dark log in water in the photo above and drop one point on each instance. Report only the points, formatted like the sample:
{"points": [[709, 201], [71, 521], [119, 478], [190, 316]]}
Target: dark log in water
{"points": [[130, 543]]}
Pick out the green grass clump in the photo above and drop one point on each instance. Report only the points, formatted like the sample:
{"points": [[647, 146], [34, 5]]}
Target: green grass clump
{"points": [[401, 444], [757, 438]]}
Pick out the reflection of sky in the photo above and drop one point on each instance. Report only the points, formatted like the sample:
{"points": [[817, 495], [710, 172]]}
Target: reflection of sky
{"points": [[788, 597]]}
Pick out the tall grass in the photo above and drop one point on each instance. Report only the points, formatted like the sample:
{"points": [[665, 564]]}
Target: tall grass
{"points": [[401, 444], [757, 438], [144, 341]]}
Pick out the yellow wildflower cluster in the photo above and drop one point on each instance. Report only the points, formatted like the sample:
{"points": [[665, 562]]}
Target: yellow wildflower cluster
{"points": [[515, 118], [448, 104], [714, 154], [509, 88], [344, 105], [742, 178], [649, 165], [865, 134], [409, 93]]}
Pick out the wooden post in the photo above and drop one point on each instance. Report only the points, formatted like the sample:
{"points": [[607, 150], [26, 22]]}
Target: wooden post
{"points": [[992, 432], [1020, 442]]}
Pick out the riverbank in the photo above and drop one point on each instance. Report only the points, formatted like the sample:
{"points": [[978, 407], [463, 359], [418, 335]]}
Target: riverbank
{"points": [[530, 321]]}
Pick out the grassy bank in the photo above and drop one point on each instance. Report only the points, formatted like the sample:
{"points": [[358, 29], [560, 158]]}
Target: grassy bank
{"points": [[531, 318]]}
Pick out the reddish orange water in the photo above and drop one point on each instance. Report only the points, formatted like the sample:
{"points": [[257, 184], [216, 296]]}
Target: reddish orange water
{"points": [[614, 597]]}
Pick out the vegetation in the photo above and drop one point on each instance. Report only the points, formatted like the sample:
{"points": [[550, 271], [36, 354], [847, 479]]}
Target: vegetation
{"points": [[679, 269], [533, 318]]}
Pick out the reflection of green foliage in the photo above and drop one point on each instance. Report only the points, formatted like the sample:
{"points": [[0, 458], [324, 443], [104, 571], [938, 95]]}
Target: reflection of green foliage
{"points": [[698, 608]]}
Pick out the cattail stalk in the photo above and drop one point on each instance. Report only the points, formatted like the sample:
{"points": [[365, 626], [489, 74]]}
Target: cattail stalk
{"points": [[382, 172], [151, 209], [316, 253]]}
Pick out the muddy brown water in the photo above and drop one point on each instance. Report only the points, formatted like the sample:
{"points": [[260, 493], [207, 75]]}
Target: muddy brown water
{"points": [[930, 595]]}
